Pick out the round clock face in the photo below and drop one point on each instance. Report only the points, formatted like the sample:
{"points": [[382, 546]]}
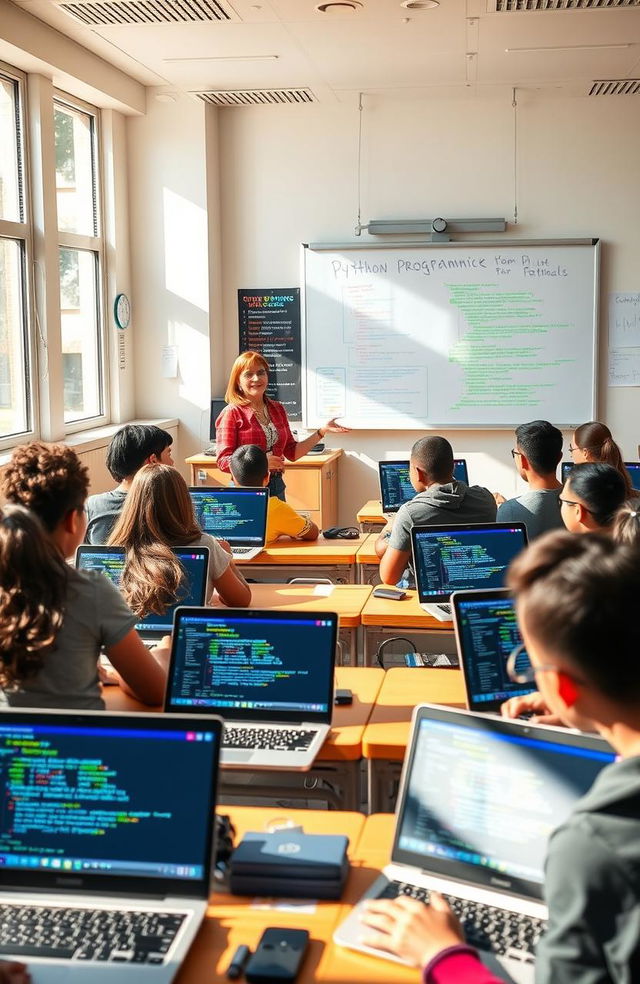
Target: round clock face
{"points": [[122, 311]]}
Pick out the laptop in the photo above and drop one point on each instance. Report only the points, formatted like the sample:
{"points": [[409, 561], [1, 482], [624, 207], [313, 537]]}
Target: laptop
{"points": [[460, 558], [110, 561], [238, 516], [633, 467], [479, 797], [106, 846], [396, 487], [269, 674], [486, 634]]}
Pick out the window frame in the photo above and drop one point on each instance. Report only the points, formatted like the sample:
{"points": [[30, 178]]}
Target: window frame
{"points": [[21, 232], [94, 244]]}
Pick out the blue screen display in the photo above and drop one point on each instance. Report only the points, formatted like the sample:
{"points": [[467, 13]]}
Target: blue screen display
{"points": [[461, 559], [633, 467], [396, 487], [236, 515], [488, 634]]}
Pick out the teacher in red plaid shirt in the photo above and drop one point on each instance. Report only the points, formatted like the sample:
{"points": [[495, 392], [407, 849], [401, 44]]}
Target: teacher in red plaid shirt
{"points": [[251, 417]]}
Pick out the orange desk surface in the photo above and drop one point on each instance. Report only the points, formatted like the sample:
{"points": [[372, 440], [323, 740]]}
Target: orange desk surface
{"points": [[345, 738], [232, 920], [302, 553], [367, 554], [342, 966], [405, 614], [387, 732], [371, 512], [347, 600]]}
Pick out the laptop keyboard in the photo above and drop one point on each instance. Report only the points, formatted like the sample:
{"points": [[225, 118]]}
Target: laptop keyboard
{"points": [[485, 927], [444, 608], [275, 739], [119, 936], [241, 551]]}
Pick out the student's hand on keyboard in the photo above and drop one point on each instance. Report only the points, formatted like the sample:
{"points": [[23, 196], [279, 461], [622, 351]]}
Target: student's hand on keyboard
{"points": [[532, 704], [14, 973], [410, 929]]}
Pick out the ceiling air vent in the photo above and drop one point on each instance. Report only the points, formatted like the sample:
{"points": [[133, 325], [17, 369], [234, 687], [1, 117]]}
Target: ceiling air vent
{"points": [[515, 6], [615, 87], [110, 12], [256, 97]]}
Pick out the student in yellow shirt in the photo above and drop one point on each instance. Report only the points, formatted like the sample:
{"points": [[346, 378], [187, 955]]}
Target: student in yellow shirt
{"points": [[249, 467]]}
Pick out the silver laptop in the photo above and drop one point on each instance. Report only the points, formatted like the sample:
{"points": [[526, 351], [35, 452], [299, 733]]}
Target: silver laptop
{"points": [[194, 561], [269, 674], [106, 842], [237, 515], [486, 634], [396, 487], [462, 830], [460, 558]]}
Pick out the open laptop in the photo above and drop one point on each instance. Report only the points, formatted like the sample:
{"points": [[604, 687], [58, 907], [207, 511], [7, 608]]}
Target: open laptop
{"points": [[396, 487], [633, 467], [236, 515], [460, 558], [486, 634], [106, 841], [110, 561], [479, 797], [268, 673]]}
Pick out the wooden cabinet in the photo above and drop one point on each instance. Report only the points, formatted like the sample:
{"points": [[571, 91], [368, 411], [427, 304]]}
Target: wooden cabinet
{"points": [[312, 483]]}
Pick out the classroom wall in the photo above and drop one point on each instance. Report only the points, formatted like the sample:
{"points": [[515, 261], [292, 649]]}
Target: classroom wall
{"points": [[289, 175]]}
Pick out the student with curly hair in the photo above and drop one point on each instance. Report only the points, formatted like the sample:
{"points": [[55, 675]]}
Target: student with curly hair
{"points": [[54, 619], [157, 516]]}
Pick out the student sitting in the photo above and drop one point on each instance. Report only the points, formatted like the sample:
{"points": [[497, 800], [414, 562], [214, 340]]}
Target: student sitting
{"points": [[158, 515], [590, 498], [249, 466], [576, 603], [440, 499], [536, 455], [133, 446], [593, 442], [54, 619]]}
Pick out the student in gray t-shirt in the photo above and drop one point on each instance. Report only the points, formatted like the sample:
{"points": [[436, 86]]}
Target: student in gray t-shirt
{"points": [[133, 446], [439, 499], [536, 455]]}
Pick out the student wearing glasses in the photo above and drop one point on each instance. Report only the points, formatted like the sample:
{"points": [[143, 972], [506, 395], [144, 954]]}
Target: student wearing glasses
{"points": [[251, 417], [536, 456], [576, 603], [591, 496]]}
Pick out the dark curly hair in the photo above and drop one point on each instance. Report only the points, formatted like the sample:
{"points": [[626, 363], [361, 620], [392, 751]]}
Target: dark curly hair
{"points": [[49, 479], [33, 588]]}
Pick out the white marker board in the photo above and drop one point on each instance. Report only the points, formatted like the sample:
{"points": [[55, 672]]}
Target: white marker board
{"points": [[451, 335]]}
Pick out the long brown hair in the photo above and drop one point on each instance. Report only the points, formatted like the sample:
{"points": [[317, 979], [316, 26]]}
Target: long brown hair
{"points": [[33, 591], [157, 514], [246, 360], [596, 438]]}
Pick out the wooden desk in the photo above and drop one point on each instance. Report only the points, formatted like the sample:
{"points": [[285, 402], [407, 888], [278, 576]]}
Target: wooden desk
{"points": [[284, 559], [371, 854], [312, 483], [368, 562], [335, 776], [370, 517], [381, 617], [232, 920], [387, 733], [346, 599]]}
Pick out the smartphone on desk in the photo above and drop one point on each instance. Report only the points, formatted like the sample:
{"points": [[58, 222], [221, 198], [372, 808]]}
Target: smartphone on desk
{"points": [[278, 956], [393, 594]]}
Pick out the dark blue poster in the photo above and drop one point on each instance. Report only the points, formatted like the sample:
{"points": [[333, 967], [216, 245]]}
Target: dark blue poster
{"points": [[270, 324]]}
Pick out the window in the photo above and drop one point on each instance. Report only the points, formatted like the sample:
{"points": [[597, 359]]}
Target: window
{"points": [[16, 409], [81, 263]]}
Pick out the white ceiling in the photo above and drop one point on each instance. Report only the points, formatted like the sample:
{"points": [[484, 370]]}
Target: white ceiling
{"points": [[381, 48]]}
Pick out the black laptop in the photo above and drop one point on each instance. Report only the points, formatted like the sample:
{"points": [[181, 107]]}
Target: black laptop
{"points": [[633, 467], [396, 487]]}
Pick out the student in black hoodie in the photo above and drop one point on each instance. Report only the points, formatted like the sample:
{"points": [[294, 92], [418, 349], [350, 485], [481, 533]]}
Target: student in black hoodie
{"points": [[440, 499]]}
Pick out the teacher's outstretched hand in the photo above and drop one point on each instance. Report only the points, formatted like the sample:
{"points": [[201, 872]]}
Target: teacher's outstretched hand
{"points": [[251, 417]]}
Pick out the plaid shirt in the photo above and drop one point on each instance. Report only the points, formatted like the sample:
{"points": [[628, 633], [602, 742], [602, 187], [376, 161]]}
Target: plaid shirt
{"points": [[238, 425]]}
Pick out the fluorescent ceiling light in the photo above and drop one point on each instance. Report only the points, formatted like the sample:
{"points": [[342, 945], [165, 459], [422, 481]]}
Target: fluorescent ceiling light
{"points": [[208, 58], [571, 47]]}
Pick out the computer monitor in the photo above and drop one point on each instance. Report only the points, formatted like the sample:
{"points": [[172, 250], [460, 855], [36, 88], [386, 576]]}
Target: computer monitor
{"points": [[633, 467], [395, 484], [217, 406]]}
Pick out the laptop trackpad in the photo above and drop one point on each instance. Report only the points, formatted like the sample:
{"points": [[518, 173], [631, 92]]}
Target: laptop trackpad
{"points": [[230, 755]]}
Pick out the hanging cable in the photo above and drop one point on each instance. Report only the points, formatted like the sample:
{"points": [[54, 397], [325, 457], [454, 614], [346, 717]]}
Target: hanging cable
{"points": [[358, 226], [514, 104]]}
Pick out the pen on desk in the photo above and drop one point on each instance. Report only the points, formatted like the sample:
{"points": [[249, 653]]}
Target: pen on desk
{"points": [[239, 959]]}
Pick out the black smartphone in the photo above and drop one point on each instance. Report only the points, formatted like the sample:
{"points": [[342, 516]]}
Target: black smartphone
{"points": [[278, 956], [343, 696], [393, 594]]}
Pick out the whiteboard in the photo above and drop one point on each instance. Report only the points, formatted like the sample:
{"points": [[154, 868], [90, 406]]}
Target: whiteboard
{"points": [[451, 335]]}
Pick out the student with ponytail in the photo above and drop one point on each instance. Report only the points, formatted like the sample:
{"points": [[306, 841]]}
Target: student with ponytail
{"points": [[54, 619], [593, 442]]}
